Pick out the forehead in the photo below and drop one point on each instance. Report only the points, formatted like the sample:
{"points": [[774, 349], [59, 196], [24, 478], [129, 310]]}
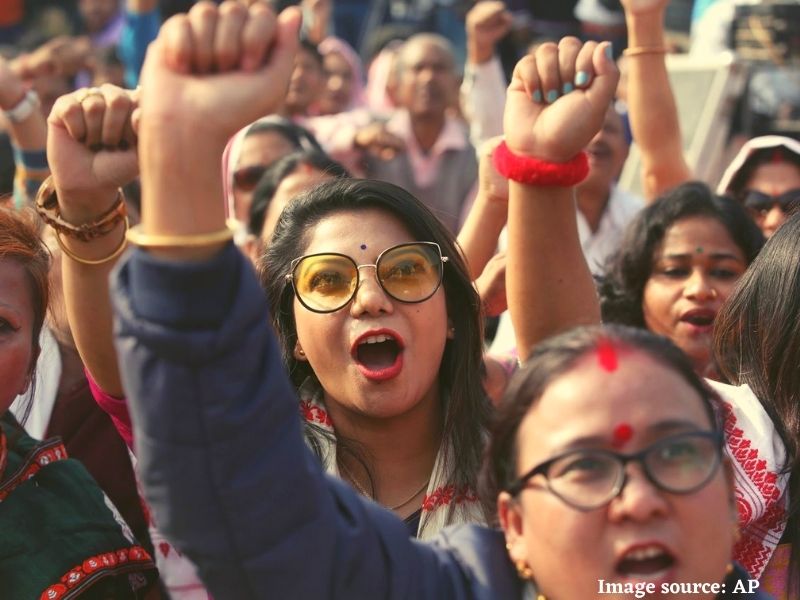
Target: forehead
{"points": [[306, 58], [15, 294], [687, 235], [591, 401], [774, 178], [424, 51], [346, 231], [337, 63], [263, 148]]}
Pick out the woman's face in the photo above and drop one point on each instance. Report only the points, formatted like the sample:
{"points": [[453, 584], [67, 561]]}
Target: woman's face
{"points": [[643, 535], [391, 378], [694, 270], [338, 84], [259, 150], [16, 330], [773, 179]]}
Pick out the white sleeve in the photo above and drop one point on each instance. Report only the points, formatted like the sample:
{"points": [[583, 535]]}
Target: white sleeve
{"points": [[483, 98]]}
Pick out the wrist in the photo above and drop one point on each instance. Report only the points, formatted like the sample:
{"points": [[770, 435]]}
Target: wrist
{"points": [[477, 54], [78, 209], [646, 29]]}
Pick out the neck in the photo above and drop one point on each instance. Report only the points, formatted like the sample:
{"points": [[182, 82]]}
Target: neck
{"points": [[592, 203], [427, 130], [399, 451]]}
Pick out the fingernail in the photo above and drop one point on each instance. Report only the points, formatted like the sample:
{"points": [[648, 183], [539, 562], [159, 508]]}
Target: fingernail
{"points": [[581, 78], [567, 88], [552, 96], [610, 51], [537, 96]]}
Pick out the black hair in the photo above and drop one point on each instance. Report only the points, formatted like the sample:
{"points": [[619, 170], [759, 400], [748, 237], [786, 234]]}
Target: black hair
{"points": [[757, 342], [277, 172], [621, 288], [551, 359], [461, 368], [311, 48], [297, 135]]}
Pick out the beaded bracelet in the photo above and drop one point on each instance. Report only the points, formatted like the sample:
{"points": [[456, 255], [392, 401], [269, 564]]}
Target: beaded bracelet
{"points": [[47, 207], [532, 171], [86, 261]]}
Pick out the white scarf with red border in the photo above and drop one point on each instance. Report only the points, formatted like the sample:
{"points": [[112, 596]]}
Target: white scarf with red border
{"points": [[440, 495]]}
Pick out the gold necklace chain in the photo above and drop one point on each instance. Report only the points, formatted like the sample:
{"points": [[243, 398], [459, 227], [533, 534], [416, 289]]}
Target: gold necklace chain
{"points": [[346, 472]]}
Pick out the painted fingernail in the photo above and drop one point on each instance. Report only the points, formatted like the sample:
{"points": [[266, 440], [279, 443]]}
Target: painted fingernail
{"points": [[610, 51], [567, 88], [537, 96], [552, 96], [581, 78]]}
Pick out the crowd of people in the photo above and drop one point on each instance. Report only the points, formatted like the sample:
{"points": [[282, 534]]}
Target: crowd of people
{"points": [[281, 317]]}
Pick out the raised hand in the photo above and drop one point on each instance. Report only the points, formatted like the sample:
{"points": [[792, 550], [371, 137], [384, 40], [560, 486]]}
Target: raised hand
{"points": [[541, 122], [487, 22], [216, 69], [208, 74], [91, 147]]}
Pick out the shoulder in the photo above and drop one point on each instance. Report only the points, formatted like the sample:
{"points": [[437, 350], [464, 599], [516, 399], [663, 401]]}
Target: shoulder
{"points": [[481, 556]]}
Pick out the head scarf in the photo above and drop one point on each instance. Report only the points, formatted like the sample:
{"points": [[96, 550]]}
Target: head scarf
{"points": [[333, 44]]}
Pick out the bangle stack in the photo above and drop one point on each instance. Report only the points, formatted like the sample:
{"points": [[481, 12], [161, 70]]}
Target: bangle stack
{"points": [[47, 207]]}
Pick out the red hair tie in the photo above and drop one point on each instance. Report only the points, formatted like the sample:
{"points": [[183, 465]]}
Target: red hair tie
{"points": [[532, 171]]}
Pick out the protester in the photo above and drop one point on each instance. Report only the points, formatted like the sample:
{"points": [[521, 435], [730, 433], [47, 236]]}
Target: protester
{"points": [[676, 266], [224, 368], [758, 347], [61, 533], [344, 77], [765, 178]]}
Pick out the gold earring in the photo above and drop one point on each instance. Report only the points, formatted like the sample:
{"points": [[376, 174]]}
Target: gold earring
{"points": [[728, 568], [300, 352], [523, 570]]}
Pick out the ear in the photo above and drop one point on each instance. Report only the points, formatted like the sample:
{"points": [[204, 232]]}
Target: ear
{"points": [[509, 513], [299, 353]]}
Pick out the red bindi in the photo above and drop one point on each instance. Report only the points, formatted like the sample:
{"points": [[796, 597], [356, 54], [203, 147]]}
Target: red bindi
{"points": [[607, 356], [622, 434]]}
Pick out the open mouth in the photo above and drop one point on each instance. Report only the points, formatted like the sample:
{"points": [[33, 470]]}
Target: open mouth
{"points": [[645, 562], [699, 318], [379, 355]]}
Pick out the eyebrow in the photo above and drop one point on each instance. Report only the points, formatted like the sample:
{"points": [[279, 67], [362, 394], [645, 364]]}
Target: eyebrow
{"points": [[714, 255]]}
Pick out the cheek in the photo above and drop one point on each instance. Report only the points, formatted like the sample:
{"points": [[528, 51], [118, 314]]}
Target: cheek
{"points": [[15, 363], [657, 301]]}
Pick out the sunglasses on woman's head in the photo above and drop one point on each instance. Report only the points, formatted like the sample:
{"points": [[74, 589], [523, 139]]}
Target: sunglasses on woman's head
{"points": [[247, 178], [760, 203], [328, 281], [591, 478]]}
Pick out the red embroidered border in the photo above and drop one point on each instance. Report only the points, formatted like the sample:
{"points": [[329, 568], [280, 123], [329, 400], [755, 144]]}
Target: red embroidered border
{"points": [[448, 494], [314, 414], [44, 454], [94, 568]]}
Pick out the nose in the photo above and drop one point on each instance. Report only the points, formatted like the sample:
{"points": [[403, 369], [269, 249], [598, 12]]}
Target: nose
{"points": [[370, 299], [698, 287], [639, 499], [774, 218], [335, 83]]}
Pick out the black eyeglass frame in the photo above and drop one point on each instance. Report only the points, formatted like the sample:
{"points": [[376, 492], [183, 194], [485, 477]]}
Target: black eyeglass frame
{"points": [[517, 486], [290, 276]]}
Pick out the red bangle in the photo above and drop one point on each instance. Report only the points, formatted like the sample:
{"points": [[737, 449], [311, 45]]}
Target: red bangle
{"points": [[532, 171]]}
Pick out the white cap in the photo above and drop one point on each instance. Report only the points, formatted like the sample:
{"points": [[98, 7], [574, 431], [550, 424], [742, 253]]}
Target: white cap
{"points": [[758, 143]]}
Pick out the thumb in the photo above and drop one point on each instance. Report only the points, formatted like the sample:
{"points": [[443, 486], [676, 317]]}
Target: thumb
{"points": [[287, 37], [604, 85]]}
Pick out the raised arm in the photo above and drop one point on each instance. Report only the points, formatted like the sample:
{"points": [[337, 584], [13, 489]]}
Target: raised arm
{"points": [[92, 152], [548, 282], [217, 425], [652, 109], [27, 129]]}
